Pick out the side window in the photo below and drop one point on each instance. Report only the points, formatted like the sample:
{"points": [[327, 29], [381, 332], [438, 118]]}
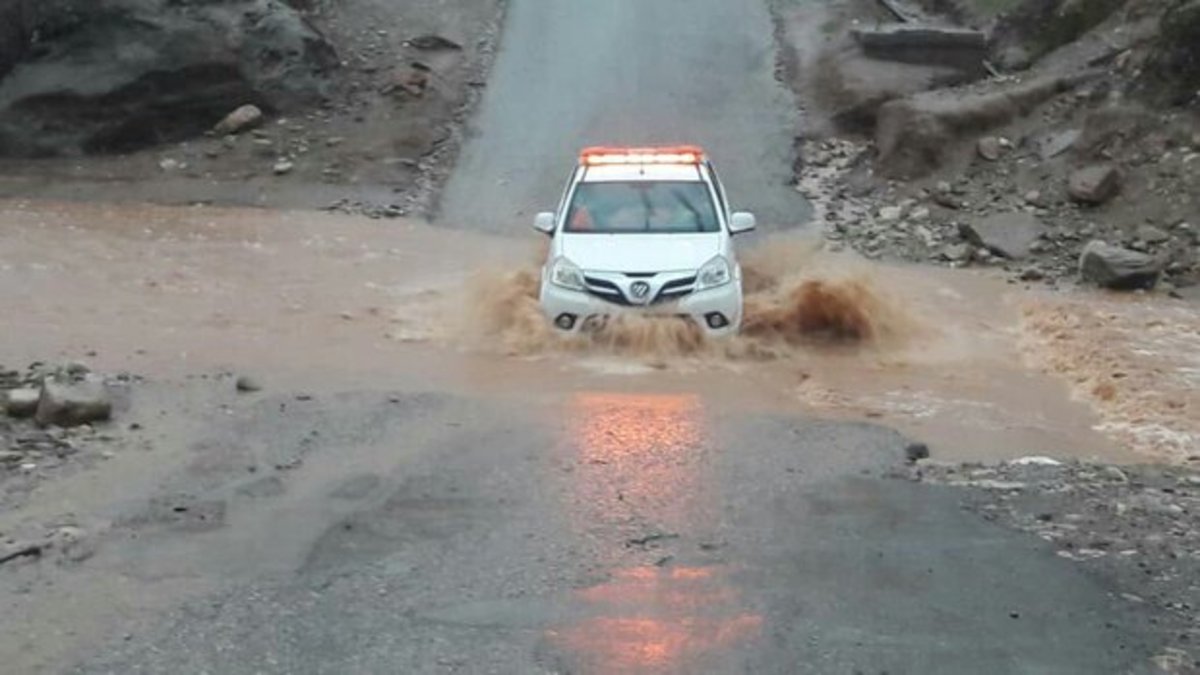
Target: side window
{"points": [[716, 181]]}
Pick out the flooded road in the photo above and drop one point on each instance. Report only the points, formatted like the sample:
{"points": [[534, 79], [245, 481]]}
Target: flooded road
{"points": [[169, 292], [479, 491]]}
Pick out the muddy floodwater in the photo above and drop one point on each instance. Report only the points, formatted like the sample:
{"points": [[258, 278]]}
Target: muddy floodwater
{"points": [[977, 368]]}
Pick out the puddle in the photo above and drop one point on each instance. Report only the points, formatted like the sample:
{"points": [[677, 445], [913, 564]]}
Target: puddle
{"points": [[650, 619]]}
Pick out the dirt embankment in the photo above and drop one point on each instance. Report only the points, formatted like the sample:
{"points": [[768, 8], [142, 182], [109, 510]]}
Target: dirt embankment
{"points": [[361, 100]]}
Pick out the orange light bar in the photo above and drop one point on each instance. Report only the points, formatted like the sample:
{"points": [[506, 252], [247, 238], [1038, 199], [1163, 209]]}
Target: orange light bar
{"points": [[678, 154]]}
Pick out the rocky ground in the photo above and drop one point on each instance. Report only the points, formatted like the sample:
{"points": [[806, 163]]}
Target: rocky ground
{"points": [[362, 102], [55, 419], [1137, 526], [1020, 170]]}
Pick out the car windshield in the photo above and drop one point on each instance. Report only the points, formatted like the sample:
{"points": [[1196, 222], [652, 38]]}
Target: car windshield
{"points": [[642, 206]]}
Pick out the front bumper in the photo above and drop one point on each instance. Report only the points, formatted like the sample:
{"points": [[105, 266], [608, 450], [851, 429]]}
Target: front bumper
{"points": [[588, 312]]}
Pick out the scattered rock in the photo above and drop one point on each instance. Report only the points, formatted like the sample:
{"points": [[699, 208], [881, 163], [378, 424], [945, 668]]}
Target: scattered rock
{"points": [[73, 403], [1094, 184], [1118, 268], [989, 148], [247, 384], [890, 214], [1009, 235], [21, 403], [283, 168], [433, 43], [915, 452], [242, 119], [948, 200], [1032, 274], [1056, 143], [1152, 235], [1114, 474], [957, 253]]}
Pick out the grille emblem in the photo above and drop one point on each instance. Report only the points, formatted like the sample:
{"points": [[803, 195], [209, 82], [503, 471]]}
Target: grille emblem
{"points": [[639, 290]]}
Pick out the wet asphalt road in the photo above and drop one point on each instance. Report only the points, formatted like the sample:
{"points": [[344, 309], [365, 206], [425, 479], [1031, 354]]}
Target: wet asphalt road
{"points": [[571, 74], [608, 533]]}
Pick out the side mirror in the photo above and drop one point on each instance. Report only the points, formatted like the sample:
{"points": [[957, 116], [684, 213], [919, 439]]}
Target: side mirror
{"points": [[741, 222], [544, 222]]}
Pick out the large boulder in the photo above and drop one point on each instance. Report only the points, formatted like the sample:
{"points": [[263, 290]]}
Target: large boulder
{"points": [[1118, 268], [120, 75], [914, 134], [1009, 235], [855, 85], [920, 43]]}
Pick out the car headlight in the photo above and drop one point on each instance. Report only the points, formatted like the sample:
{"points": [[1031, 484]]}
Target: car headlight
{"points": [[564, 273], [714, 273]]}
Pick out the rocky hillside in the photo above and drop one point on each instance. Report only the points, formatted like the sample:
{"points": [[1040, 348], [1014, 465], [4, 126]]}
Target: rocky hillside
{"points": [[80, 76], [1080, 133]]}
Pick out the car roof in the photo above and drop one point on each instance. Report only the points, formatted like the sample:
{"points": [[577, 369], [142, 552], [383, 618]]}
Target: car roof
{"points": [[642, 172]]}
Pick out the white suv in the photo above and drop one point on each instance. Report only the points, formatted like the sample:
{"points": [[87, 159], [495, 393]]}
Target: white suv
{"points": [[643, 230]]}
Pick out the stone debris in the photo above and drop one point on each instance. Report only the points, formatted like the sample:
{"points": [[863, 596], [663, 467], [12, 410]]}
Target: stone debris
{"points": [[50, 416], [1094, 184], [70, 403], [989, 148], [243, 119], [1118, 268], [21, 403], [1010, 235], [247, 384]]}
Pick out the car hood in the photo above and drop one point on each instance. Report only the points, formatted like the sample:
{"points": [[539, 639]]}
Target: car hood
{"points": [[639, 252]]}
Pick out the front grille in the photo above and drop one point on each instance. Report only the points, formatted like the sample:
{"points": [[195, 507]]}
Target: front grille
{"points": [[606, 290], [675, 289], [610, 292]]}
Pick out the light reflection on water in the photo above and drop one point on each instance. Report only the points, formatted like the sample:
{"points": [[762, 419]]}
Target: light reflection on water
{"points": [[642, 470]]}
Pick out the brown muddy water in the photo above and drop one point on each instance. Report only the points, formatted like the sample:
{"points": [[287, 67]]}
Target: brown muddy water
{"points": [[976, 368]]}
